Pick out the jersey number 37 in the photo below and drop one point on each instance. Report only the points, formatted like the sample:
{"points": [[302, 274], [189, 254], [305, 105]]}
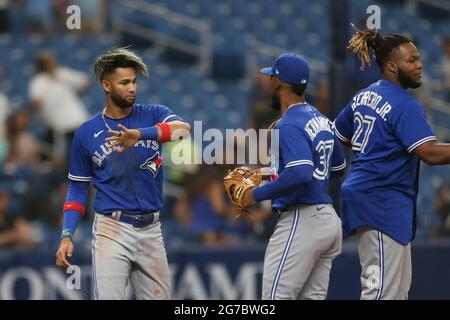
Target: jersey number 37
{"points": [[324, 148]]}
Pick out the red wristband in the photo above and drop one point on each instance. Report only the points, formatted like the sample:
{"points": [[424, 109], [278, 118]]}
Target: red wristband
{"points": [[73, 205], [165, 132]]}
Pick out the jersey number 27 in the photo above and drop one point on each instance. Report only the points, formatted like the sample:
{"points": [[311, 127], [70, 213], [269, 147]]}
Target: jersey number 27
{"points": [[364, 125]]}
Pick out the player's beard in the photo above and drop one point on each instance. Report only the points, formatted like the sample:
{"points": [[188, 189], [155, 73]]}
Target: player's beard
{"points": [[406, 80], [275, 102], [120, 102]]}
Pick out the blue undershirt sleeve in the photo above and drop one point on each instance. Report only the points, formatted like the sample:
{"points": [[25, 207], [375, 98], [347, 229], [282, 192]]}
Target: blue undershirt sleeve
{"points": [[77, 191], [285, 183]]}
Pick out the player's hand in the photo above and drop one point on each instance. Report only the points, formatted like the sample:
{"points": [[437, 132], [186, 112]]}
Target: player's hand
{"points": [[65, 250], [123, 139], [239, 184], [249, 199]]}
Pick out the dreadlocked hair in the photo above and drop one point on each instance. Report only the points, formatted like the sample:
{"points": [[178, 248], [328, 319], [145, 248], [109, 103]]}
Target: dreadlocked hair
{"points": [[382, 47]]}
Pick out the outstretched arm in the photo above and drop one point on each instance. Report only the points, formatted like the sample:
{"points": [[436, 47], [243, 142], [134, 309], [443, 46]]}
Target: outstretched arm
{"points": [[283, 185], [162, 132], [434, 153]]}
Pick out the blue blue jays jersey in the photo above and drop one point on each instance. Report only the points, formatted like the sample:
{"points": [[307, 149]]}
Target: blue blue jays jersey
{"points": [[306, 137], [384, 124], [130, 181]]}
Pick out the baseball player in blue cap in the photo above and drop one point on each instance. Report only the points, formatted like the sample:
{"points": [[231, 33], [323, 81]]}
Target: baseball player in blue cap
{"points": [[308, 233], [387, 129], [119, 151]]}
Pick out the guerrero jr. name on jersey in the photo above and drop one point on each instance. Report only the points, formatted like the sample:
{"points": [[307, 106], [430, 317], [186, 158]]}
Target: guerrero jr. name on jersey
{"points": [[372, 100]]}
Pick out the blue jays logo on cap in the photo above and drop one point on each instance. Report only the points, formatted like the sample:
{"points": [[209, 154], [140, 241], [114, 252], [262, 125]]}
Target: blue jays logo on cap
{"points": [[289, 67], [153, 163]]}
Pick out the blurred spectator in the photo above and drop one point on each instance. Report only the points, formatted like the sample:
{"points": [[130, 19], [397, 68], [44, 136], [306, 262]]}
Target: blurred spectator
{"points": [[93, 15], [255, 225], [23, 148], [446, 67], [200, 210], [261, 114], [57, 199], [54, 90], [43, 200], [31, 181], [322, 97], [39, 16], [4, 16], [204, 214], [14, 232], [442, 208]]}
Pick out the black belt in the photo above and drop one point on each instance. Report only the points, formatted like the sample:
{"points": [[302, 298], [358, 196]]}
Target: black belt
{"points": [[294, 207], [291, 208], [281, 210], [136, 220]]}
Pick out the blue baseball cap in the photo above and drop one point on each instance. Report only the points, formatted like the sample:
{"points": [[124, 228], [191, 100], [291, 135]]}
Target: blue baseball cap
{"points": [[289, 67]]}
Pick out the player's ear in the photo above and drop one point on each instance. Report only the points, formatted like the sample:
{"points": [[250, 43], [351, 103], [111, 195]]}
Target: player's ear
{"points": [[276, 83], [106, 86], [391, 67]]}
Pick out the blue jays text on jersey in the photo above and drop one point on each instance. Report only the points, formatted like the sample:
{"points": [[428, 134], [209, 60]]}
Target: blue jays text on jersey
{"points": [[384, 124], [130, 181], [306, 137], [105, 149]]}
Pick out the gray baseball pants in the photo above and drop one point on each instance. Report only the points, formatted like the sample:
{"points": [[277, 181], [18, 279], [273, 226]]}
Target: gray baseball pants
{"points": [[122, 253], [300, 252], [385, 266]]}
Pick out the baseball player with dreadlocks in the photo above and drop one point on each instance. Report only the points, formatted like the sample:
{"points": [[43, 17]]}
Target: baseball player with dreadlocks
{"points": [[119, 151], [387, 129]]}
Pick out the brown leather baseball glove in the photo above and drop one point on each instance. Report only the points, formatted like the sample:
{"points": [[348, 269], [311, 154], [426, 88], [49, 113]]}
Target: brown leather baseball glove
{"points": [[238, 181]]}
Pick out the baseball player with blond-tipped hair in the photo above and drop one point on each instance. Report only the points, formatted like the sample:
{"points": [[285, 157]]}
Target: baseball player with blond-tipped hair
{"points": [[119, 151], [387, 129]]}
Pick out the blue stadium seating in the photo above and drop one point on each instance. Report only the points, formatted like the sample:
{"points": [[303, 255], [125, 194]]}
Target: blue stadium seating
{"points": [[300, 26]]}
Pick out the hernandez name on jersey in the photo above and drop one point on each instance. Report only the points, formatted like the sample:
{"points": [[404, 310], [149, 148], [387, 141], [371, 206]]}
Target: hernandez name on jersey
{"points": [[303, 125]]}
